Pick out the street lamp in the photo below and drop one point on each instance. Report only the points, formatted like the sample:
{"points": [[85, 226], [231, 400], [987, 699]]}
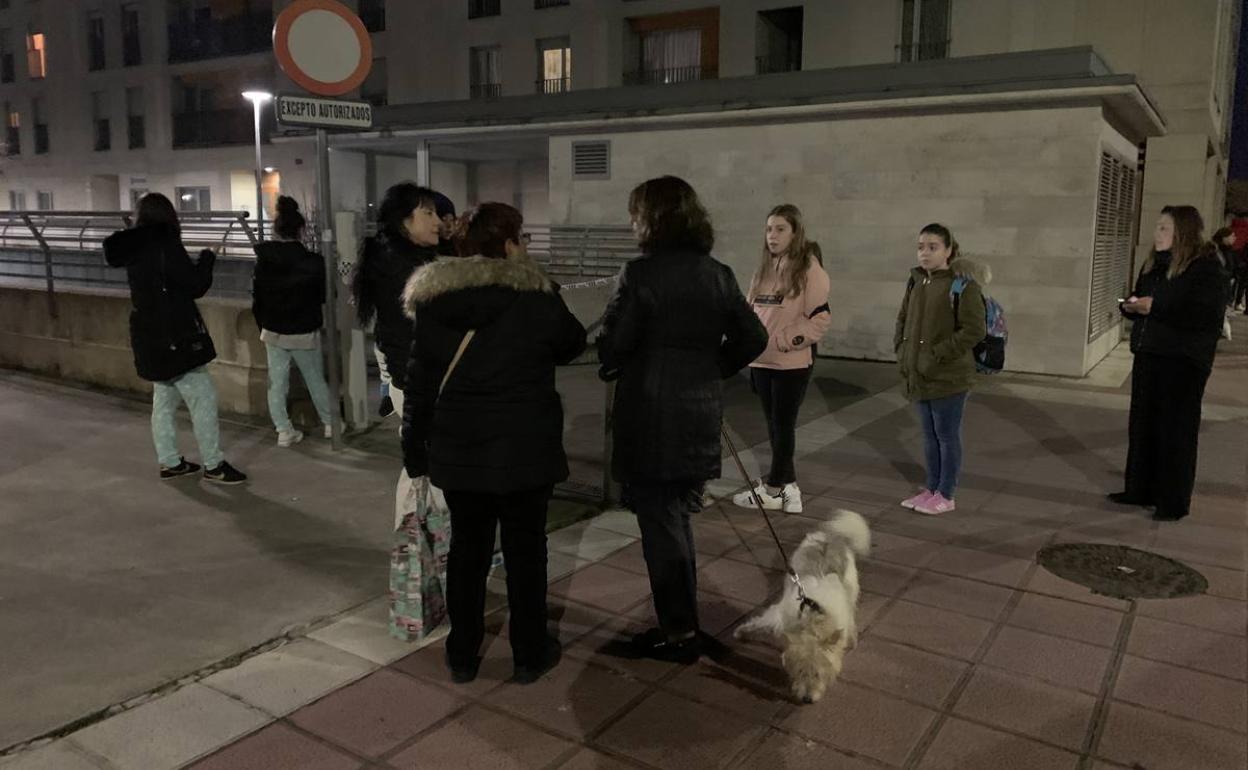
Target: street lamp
{"points": [[257, 99]]}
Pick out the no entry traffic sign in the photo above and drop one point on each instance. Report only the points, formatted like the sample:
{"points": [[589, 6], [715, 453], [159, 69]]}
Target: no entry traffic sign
{"points": [[322, 46]]}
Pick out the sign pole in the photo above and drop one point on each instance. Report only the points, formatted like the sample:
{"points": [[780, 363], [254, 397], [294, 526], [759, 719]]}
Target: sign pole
{"points": [[325, 226]]}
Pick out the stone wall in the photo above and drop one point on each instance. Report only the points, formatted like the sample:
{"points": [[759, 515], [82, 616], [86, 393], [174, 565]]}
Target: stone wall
{"points": [[1018, 188], [89, 342]]}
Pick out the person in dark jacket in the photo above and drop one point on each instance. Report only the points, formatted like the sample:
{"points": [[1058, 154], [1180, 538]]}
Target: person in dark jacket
{"points": [[492, 439], [171, 344], [676, 326], [445, 209], [407, 237], [1178, 307], [935, 337], [288, 292]]}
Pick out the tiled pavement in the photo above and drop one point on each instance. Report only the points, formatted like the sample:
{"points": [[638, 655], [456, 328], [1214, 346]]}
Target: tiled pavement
{"points": [[972, 655]]}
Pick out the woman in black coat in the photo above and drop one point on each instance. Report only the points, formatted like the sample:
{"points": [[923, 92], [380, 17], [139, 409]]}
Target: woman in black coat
{"points": [[407, 237], [676, 327], [171, 344], [288, 291], [492, 440], [1178, 306]]}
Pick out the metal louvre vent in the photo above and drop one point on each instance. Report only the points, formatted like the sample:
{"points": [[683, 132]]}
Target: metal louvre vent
{"points": [[1111, 250], [591, 160]]}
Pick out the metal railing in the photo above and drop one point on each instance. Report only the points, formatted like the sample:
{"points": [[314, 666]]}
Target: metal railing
{"points": [[217, 127], [480, 8], [575, 253], [65, 248], [923, 51], [485, 90], [670, 75], [540, 4], [767, 65], [554, 85]]}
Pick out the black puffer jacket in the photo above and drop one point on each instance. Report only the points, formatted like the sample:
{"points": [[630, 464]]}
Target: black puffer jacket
{"points": [[498, 425], [167, 333], [1187, 313], [677, 326], [386, 264], [288, 288]]}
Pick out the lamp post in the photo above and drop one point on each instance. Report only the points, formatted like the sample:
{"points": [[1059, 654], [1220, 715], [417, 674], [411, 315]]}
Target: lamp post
{"points": [[258, 99]]}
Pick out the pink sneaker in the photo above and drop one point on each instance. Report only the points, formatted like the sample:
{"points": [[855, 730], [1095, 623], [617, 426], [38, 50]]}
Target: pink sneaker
{"points": [[917, 500], [935, 505]]}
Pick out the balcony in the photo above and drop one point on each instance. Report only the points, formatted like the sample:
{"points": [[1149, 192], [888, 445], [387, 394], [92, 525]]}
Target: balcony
{"points": [[13, 140], [42, 143], [554, 86], [670, 75], [214, 38], [485, 90], [212, 128], [540, 4]]}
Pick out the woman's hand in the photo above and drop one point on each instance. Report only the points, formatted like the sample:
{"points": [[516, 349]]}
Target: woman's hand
{"points": [[1138, 305]]}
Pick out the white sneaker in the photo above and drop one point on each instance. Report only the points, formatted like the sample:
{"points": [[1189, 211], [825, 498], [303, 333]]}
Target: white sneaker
{"points": [[329, 431], [791, 498], [746, 499], [289, 438]]}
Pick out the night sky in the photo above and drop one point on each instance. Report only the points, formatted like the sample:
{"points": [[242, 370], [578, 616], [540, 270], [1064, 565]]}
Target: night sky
{"points": [[1239, 120]]}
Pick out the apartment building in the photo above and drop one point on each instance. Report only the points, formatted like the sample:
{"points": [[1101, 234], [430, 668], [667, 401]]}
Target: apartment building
{"points": [[1039, 130]]}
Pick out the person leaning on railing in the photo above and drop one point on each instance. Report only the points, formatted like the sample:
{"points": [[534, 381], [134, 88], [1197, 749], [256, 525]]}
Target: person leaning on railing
{"points": [[170, 341]]}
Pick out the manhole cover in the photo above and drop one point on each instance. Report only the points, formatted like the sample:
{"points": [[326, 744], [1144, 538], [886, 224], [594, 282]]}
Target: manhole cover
{"points": [[1121, 572]]}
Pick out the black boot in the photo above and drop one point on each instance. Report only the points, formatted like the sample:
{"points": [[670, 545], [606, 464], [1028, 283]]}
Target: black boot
{"points": [[1126, 498]]}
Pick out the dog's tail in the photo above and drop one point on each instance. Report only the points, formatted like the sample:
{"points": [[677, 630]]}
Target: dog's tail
{"points": [[854, 529]]}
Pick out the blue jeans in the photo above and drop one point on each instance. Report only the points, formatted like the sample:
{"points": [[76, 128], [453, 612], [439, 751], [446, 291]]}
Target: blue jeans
{"points": [[941, 419], [312, 369], [196, 389]]}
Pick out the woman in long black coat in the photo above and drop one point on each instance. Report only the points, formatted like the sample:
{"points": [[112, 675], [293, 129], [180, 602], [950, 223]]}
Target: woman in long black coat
{"points": [[677, 326], [492, 440], [1178, 305]]}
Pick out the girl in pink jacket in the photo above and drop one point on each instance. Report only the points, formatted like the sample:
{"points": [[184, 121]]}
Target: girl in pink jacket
{"points": [[789, 293]]}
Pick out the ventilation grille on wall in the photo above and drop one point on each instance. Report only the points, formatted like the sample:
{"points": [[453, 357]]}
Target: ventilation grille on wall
{"points": [[591, 160], [1111, 250]]}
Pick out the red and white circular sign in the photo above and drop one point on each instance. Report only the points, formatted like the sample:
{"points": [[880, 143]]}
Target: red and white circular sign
{"points": [[322, 46]]}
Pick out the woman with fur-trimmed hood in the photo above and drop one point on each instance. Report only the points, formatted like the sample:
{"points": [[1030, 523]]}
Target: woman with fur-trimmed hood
{"points": [[934, 341], [493, 439]]}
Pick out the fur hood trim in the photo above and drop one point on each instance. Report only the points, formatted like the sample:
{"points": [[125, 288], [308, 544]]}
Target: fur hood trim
{"points": [[969, 268], [444, 276]]}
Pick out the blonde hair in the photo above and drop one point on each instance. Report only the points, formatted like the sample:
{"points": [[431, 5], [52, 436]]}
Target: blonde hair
{"points": [[801, 253]]}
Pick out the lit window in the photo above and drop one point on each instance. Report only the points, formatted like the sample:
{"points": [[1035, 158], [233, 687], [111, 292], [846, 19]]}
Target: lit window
{"points": [[36, 56]]}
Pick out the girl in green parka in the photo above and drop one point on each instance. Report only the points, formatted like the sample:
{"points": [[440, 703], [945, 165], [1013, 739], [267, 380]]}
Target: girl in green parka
{"points": [[936, 334]]}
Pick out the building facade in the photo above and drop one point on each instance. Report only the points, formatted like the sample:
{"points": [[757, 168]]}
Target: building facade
{"points": [[1045, 133]]}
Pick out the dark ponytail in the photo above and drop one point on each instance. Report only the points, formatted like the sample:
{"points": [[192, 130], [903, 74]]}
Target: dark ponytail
{"points": [[289, 223]]}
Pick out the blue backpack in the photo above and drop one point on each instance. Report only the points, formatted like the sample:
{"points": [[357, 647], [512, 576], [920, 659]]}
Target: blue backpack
{"points": [[990, 351]]}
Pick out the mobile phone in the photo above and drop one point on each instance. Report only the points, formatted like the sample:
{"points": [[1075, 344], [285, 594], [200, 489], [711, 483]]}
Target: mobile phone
{"points": [[1121, 300]]}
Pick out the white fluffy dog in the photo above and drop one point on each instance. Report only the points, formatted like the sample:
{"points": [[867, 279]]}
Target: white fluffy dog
{"points": [[815, 639]]}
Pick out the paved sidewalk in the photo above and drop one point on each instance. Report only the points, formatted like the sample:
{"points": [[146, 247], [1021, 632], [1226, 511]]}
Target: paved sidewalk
{"points": [[972, 657]]}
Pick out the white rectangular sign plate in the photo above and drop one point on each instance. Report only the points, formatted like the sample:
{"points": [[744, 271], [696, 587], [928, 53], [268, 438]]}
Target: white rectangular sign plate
{"points": [[323, 113]]}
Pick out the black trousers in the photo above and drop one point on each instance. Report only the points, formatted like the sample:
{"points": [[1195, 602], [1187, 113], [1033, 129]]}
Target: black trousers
{"points": [[522, 519], [663, 511], [1163, 431], [781, 392]]}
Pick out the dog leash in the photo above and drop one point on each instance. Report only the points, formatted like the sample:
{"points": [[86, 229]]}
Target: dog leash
{"points": [[805, 602]]}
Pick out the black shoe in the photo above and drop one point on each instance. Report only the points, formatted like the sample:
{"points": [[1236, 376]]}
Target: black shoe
{"points": [[655, 644], [463, 674], [387, 407], [183, 468], [1126, 498], [528, 674], [225, 474], [1160, 515]]}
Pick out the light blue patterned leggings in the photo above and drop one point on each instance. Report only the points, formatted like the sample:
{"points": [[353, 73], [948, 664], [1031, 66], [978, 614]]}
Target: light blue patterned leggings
{"points": [[196, 389], [312, 369]]}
